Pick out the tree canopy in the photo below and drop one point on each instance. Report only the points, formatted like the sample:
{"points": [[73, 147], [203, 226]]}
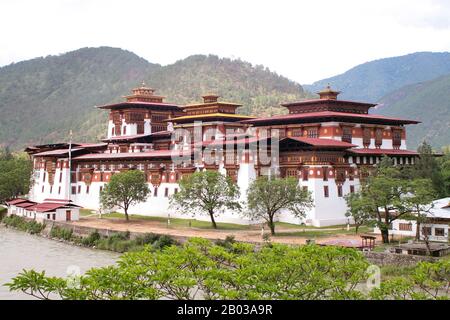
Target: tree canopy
{"points": [[125, 189], [199, 269], [15, 175], [386, 195], [206, 192], [267, 197]]}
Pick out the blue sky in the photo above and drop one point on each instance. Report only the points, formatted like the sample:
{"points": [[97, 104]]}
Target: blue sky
{"points": [[303, 40]]}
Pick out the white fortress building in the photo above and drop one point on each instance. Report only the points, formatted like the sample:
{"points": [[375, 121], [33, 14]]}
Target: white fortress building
{"points": [[325, 143]]}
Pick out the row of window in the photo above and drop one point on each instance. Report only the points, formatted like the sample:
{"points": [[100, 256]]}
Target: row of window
{"points": [[326, 191], [76, 190]]}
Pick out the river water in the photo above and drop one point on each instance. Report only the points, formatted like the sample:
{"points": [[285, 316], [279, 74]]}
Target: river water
{"points": [[20, 250]]}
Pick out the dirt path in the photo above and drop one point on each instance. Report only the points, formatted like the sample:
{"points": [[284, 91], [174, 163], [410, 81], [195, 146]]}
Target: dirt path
{"points": [[250, 235]]}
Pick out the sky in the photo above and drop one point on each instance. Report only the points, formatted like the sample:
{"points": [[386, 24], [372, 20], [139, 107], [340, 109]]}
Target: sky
{"points": [[303, 40]]}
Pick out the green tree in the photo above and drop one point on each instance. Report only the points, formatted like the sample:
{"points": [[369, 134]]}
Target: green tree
{"points": [[15, 175], [382, 194], [420, 200], [267, 197], [124, 190], [359, 209], [444, 164], [429, 280], [199, 269], [427, 167], [206, 192]]}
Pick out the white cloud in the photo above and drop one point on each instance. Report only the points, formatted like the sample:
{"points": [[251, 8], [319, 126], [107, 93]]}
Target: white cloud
{"points": [[303, 40]]}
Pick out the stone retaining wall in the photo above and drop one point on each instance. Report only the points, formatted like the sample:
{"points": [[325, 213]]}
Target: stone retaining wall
{"points": [[84, 231], [386, 258]]}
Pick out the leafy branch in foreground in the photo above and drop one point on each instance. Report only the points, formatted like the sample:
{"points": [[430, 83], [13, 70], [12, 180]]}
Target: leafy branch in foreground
{"points": [[201, 270]]}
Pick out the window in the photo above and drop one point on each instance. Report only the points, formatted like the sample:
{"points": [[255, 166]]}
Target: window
{"points": [[312, 133], [347, 134], [366, 137], [43, 177], [378, 137], [124, 130], [59, 190], [87, 189], [155, 192], [339, 189], [352, 189], [305, 174], [325, 174], [291, 172], [166, 192], [54, 216], [405, 226], [439, 232], [74, 190], [426, 231], [396, 138], [79, 189], [297, 132], [51, 189], [60, 177], [48, 216], [175, 191], [42, 188], [101, 189], [140, 128], [326, 193]]}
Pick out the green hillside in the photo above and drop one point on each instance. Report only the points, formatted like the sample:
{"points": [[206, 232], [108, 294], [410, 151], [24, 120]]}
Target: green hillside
{"points": [[428, 102], [42, 99], [373, 80]]}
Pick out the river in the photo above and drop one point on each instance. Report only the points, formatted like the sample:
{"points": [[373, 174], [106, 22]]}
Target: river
{"points": [[20, 250]]}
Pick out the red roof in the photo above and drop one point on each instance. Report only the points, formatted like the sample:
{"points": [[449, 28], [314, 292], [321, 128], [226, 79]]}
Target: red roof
{"points": [[15, 201], [321, 101], [46, 207], [389, 152], [229, 141], [318, 142], [329, 114], [128, 155], [136, 136], [26, 204], [58, 152], [138, 103]]}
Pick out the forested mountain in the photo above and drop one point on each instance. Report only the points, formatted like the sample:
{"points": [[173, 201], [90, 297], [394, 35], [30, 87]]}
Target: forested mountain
{"points": [[373, 80], [428, 102], [42, 99]]}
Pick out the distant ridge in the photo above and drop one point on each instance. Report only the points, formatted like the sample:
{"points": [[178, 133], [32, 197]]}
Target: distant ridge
{"points": [[373, 80], [43, 98], [428, 102]]}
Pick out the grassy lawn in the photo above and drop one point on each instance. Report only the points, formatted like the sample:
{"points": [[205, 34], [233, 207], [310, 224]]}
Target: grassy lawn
{"points": [[296, 226], [318, 233], [177, 222], [85, 212]]}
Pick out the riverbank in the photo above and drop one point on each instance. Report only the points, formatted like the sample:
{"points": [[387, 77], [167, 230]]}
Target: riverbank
{"points": [[118, 235], [88, 237], [21, 250]]}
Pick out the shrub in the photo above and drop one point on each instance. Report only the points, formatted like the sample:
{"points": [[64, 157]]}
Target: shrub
{"points": [[61, 233], [164, 241], [147, 238], [227, 243], [15, 222], [34, 227], [92, 239], [22, 224]]}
